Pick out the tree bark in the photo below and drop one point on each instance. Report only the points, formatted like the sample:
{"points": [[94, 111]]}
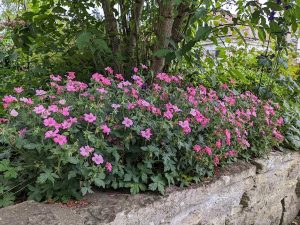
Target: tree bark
{"points": [[182, 12], [134, 34], [164, 31], [111, 26]]}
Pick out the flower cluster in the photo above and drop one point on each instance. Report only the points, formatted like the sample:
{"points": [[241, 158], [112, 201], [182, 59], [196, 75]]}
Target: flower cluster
{"points": [[125, 133]]}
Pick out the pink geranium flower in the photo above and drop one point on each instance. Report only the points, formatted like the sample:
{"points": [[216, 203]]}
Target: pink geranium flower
{"points": [[146, 134], [40, 92], [208, 150], [109, 70], [50, 122], [13, 113], [197, 148], [60, 139], [105, 129], [89, 117], [219, 143], [86, 150], [135, 70], [18, 90], [51, 134], [108, 166], [228, 137], [127, 122], [97, 159]]}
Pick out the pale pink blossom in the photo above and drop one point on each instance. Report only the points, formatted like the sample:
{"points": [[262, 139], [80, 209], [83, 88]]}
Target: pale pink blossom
{"points": [[89, 117], [127, 122], [18, 90], [97, 159], [197, 148], [13, 113], [108, 166], [146, 134], [60, 139], [105, 129]]}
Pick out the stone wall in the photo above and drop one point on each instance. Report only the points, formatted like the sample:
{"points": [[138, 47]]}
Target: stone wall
{"points": [[264, 192]]}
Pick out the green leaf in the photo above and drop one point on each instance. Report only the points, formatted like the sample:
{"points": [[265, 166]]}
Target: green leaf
{"points": [[202, 33], [48, 175], [7, 199], [84, 40], [162, 52]]}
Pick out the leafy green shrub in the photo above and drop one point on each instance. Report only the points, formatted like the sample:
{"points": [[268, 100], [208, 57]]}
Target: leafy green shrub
{"points": [[142, 136]]}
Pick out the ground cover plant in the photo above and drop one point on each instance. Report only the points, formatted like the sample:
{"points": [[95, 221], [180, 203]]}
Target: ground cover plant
{"points": [[140, 134]]}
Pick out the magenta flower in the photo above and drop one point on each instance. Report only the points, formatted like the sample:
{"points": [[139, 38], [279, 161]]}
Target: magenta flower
{"points": [[51, 134], [22, 132], [146, 134], [86, 150], [62, 101], [40, 92], [90, 117], [278, 135], [168, 115], [18, 90], [105, 129], [109, 70], [65, 111], [50, 122], [102, 90], [55, 78], [70, 75], [53, 108], [108, 166], [228, 137], [219, 143], [28, 101], [135, 70], [127, 122], [60, 139], [208, 150], [197, 148], [39, 109], [97, 159], [216, 160]]}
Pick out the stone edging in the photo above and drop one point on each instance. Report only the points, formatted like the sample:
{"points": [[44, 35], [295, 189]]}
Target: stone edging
{"points": [[265, 192]]}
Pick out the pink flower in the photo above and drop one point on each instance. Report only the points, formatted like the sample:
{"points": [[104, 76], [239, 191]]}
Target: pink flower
{"points": [[28, 101], [108, 166], [109, 70], [146, 134], [90, 117], [40, 92], [70, 75], [60, 139], [208, 150], [86, 150], [278, 135], [65, 111], [51, 134], [168, 115], [97, 159], [22, 132], [219, 143], [115, 106], [62, 101], [18, 90], [130, 106], [3, 120], [197, 148], [228, 137], [185, 125], [135, 70], [55, 78], [50, 122], [144, 66], [119, 76], [216, 160], [105, 129], [230, 153], [102, 90], [14, 113], [127, 122], [7, 99], [280, 121], [53, 108]]}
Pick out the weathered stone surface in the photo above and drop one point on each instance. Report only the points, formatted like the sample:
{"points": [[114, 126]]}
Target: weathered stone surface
{"points": [[266, 192]]}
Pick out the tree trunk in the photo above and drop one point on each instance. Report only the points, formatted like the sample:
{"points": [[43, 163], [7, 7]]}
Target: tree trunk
{"points": [[164, 31], [182, 12], [111, 26], [134, 34]]}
